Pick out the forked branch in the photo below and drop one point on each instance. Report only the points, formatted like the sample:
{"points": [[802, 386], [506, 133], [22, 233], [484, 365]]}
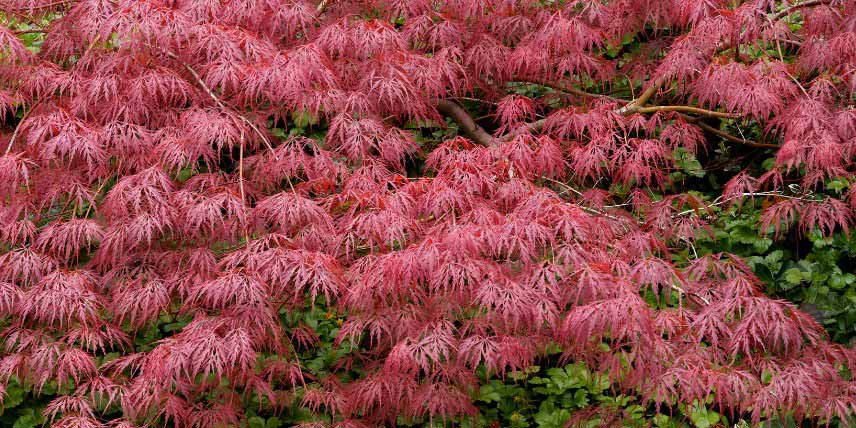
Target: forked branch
{"points": [[639, 102], [478, 134]]}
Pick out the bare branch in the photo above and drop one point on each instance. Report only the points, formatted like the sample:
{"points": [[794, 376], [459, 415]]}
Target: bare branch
{"points": [[538, 125], [18, 128], [30, 31], [686, 109], [322, 6], [567, 87], [465, 121], [42, 6], [796, 7], [219, 102], [639, 102], [587, 209], [721, 200], [734, 139]]}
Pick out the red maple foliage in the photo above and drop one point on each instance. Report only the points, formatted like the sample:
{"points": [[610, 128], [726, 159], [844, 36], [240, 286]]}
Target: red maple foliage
{"points": [[484, 259]]}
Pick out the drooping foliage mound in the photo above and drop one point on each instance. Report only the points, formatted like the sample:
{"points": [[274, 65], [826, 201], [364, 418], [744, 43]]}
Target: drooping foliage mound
{"points": [[227, 163]]}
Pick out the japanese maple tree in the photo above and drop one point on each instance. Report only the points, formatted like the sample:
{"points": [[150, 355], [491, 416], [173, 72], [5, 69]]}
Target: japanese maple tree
{"points": [[156, 165]]}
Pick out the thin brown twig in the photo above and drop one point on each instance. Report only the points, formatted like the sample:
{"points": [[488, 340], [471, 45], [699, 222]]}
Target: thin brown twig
{"points": [[18, 128], [241, 170], [569, 88], [101, 187], [476, 100], [734, 139], [590, 210], [796, 7], [219, 102], [43, 6], [30, 31], [322, 6], [224, 107], [722, 200], [241, 181], [686, 109]]}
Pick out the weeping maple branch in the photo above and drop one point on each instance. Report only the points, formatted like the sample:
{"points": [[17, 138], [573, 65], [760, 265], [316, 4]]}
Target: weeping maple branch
{"points": [[42, 6], [569, 88], [322, 6], [219, 102], [590, 210], [722, 200], [734, 139], [478, 134], [634, 105], [18, 128], [686, 109], [30, 31], [796, 7], [465, 121]]}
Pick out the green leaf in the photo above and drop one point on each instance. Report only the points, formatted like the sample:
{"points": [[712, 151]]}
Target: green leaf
{"points": [[703, 418], [14, 396], [549, 416], [175, 326], [488, 394], [688, 163], [279, 133], [303, 119], [664, 421], [579, 399], [29, 418], [838, 185], [774, 260], [256, 422], [793, 276]]}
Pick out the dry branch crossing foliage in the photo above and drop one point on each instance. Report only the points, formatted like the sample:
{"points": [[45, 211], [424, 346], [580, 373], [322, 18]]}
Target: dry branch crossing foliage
{"points": [[149, 171]]}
